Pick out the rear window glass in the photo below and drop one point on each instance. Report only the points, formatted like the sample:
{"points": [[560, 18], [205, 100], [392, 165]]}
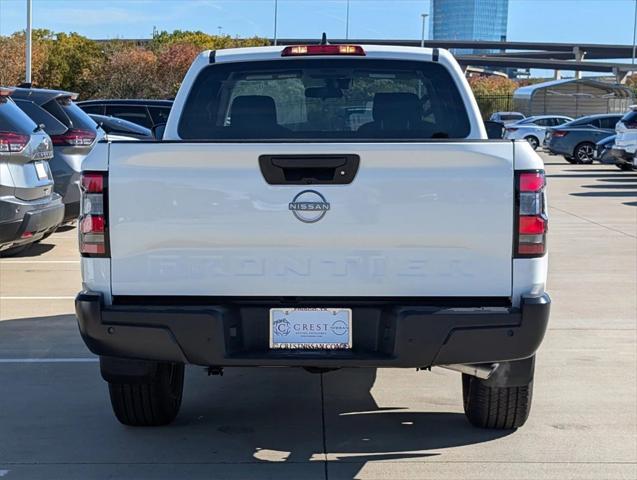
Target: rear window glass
{"points": [[68, 113], [324, 99], [511, 117], [135, 114], [98, 109], [52, 126], [14, 120], [609, 122]]}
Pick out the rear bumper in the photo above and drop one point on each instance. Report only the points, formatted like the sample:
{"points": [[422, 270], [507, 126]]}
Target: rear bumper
{"points": [[37, 218], [622, 156], [389, 335]]}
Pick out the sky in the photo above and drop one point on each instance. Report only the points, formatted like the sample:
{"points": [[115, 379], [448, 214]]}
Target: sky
{"points": [[587, 21]]}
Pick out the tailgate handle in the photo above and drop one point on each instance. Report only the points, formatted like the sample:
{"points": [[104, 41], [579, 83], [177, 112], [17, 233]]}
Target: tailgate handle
{"points": [[309, 169]]}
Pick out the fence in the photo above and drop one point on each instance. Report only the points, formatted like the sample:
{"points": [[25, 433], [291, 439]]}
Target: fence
{"points": [[494, 103]]}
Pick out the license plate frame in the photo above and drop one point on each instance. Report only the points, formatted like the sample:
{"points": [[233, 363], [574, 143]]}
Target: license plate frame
{"points": [[40, 171], [310, 328]]}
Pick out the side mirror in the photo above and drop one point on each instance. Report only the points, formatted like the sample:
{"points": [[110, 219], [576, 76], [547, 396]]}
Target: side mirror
{"points": [[495, 130], [158, 131]]}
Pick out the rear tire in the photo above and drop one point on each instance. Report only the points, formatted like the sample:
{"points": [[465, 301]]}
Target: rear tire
{"points": [[625, 167], [583, 153], [495, 407], [533, 141], [570, 160], [153, 401]]}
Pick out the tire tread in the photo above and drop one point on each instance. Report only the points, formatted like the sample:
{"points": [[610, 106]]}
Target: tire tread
{"points": [[495, 407], [151, 403]]}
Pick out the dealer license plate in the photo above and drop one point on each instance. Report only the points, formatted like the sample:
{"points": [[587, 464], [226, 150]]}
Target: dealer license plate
{"points": [[311, 328], [40, 169]]}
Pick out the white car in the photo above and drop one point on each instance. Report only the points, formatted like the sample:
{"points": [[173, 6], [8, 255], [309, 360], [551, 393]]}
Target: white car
{"points": [[626, 139], [533, 129], [506, 117], [268, 229]]}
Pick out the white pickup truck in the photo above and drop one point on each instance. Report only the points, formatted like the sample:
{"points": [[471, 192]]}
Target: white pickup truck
{"points": [[317, 206]]}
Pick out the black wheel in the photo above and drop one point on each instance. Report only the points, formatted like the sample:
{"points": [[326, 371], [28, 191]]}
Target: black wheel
{"points": [[625, 167], [533, 141], [583, 153], [570, 159], [11, 252], [152, 402], [495, 407]]}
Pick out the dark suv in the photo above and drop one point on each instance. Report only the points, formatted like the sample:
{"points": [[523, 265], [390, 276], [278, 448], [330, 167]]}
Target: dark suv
{"points": [[29, 209], [147, 113], [73, 133]]}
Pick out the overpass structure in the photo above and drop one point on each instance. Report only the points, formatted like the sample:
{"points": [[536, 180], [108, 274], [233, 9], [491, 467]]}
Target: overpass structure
{"points": [[550, 56]]}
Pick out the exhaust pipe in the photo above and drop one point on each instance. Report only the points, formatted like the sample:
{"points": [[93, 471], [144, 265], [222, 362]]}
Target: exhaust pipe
{"points": [[483, 372]]}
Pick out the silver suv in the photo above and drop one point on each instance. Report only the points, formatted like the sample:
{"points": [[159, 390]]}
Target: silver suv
{"points": [[74, 135], [29, 209]]}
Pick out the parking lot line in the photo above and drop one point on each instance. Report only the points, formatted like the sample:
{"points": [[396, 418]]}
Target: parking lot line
{"points": [[37, 261], [50, 360], [38, 298]]}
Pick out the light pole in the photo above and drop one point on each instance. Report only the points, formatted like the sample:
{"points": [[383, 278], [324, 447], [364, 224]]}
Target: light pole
{"points": [[276, 9], [27, 76], [424, 22], [347, 22], [634, 32]]}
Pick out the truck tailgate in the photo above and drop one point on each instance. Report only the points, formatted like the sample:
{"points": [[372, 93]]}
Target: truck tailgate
{"points": [[419, 219]]}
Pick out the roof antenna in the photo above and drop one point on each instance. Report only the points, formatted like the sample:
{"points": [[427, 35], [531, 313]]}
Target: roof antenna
{"points": [[324, 39]]}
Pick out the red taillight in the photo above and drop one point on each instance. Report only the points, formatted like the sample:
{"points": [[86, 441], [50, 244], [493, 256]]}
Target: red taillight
{"points": [[93, 182], [302, 50], [559, 133], [11, 142], [92, 224], [532, 225], [74, 137], [532, 222], [531, 182], [93, 221]]}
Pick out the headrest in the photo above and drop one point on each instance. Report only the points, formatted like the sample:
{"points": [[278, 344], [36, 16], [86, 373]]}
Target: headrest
{"points": [[253, 109], [394, 106]]}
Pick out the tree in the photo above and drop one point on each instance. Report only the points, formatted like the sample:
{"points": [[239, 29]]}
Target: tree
{"points": [[13, 55], [173, 62], [493, 93], [129, 72], [73, 63], [203, 41]]}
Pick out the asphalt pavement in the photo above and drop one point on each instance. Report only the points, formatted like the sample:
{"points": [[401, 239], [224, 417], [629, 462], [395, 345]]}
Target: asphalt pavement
{"points": [[56, 422]]}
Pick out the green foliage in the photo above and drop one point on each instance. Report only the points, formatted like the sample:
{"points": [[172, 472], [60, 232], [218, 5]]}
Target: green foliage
{"points": [[203, 41], [72, 62]]}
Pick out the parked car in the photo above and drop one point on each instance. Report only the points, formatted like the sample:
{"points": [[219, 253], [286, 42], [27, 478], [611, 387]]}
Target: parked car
{"points": [[604, 151], [147, 113], [533, 129], [626, 130], [119, 129], [268, 247], [29, 208], [576, 140], [73, 133], [626, 141], [506, 117]]}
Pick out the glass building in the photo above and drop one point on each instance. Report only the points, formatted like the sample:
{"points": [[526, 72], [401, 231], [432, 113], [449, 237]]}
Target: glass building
{"points": [[469, 20]]}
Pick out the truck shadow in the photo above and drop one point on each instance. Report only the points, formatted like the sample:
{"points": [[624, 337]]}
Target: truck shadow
{"points": [[244, 421]]}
